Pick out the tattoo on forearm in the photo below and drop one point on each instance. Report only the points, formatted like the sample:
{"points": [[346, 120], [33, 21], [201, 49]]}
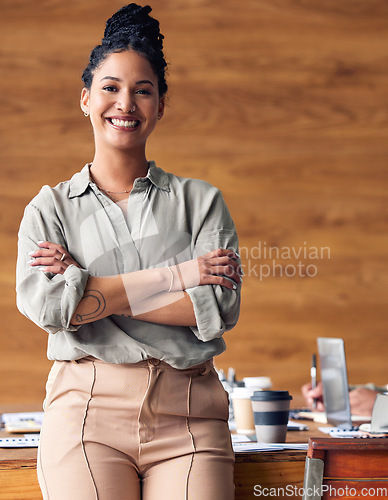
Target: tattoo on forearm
{"points": [[99, 309]]}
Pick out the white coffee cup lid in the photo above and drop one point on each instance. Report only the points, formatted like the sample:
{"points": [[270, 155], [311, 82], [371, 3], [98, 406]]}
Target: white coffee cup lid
{"points": [[242, 392], [258, 382]]}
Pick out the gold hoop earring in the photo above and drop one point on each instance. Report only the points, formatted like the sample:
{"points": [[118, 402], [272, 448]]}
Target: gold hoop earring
{"points": [[86, 113]]}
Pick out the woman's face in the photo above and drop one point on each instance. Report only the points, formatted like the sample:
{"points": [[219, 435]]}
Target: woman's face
{"points": [[125, 80]]}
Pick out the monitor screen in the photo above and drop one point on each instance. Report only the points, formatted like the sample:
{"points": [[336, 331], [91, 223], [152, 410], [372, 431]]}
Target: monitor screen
{"points": [[335, 382]]}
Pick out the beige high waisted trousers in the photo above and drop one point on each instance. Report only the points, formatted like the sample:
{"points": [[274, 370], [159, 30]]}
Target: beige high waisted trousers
{"points": [[135, 431]]}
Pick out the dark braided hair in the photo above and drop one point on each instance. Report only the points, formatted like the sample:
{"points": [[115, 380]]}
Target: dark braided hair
{"points": [[131, 28]]}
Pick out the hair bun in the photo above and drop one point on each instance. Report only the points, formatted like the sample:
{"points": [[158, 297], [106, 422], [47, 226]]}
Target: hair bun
{"points": [[131, 28], [128, 18]]}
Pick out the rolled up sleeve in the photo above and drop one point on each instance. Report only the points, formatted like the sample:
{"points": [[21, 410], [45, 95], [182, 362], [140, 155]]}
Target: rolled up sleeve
{"points": [[216, 308], [46, 299]]}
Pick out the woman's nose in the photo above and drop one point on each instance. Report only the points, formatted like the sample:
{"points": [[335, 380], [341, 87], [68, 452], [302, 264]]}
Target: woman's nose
{"points": [[125, 104]]}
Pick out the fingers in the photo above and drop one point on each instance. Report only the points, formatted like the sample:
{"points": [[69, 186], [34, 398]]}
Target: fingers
{"points": [[218, 267], [306, 388], [312, 395], [50, 257], [222, 252], [320, 406], [316, 392], [225, 282], [221, 267], [227, 271], [48, 249]]}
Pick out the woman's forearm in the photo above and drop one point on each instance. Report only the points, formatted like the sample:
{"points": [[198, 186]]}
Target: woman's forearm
{"points": [[166, 309], [104, 296]]}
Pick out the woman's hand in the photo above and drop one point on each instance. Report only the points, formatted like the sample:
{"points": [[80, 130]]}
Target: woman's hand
{"points": [[316, 394], [218, 267], [362, 401], [52, 258]]}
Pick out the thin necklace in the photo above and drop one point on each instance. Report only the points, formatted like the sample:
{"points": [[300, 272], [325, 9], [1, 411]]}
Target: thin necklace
{"points": [[106, 190], [109, 193], [125, 200]]}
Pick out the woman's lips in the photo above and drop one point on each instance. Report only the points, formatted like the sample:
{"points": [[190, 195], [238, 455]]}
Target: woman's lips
{"points": [[124, 123]]}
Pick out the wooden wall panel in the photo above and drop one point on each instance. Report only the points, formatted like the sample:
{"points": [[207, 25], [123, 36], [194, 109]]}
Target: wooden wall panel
{"points": [[282, 104]]}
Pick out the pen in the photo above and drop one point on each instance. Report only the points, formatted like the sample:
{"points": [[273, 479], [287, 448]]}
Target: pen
{"points": [[231, 376], [313, 373]]}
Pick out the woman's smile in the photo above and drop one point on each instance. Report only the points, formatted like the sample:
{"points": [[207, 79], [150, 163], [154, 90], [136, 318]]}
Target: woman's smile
{"points": [[126, 124]]}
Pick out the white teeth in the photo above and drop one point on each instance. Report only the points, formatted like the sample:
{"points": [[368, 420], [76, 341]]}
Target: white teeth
{"points": [[124, 123]]}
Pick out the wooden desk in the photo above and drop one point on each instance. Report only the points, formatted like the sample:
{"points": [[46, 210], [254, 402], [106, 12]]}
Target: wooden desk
{"points": [[278, 469], [347, 468], [265, 469]]}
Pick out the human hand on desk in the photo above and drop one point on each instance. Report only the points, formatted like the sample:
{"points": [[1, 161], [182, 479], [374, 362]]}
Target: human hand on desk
{"points": [[361, 399], [314, 394]]}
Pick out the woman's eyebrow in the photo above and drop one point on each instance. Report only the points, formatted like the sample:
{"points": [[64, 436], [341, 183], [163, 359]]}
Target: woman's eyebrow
{"points": [[144, 81], [114, 78], [111, 78]]}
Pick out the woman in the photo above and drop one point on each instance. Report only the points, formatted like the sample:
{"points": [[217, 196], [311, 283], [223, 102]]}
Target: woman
{"points": [[134, 274]]}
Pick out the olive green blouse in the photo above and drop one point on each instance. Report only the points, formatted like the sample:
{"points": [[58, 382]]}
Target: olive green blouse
{"points": [[169, 220]]}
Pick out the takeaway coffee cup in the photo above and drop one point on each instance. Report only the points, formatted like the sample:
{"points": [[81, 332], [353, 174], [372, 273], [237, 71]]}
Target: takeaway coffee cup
{"points": [[242, 409], [270, 414]]}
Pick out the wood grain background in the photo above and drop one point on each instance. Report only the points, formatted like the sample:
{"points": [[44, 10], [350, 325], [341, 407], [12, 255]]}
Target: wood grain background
{"points": [[283, 105]]}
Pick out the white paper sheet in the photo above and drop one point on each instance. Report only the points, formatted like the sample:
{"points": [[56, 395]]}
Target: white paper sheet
{"points": [[257, 447], [32, 441]]}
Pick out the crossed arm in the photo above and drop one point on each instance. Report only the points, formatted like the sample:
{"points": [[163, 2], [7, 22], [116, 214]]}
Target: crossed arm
{"points": [[155, 295]]}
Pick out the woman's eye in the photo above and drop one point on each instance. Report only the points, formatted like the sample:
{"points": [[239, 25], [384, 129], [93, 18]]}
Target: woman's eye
{"points": [[110, 88], [143, 92]]}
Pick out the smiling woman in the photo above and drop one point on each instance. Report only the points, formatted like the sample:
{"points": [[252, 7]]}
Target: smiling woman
{"points": [[135, 275]]}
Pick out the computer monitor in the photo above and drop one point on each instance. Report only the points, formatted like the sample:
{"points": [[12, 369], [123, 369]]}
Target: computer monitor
{"points": [[335, 382]]}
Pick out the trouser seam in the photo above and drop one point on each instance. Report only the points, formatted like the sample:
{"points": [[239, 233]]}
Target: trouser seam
{"points": [[191, 438], [140, 425], [83, 430], [46, 493]]}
